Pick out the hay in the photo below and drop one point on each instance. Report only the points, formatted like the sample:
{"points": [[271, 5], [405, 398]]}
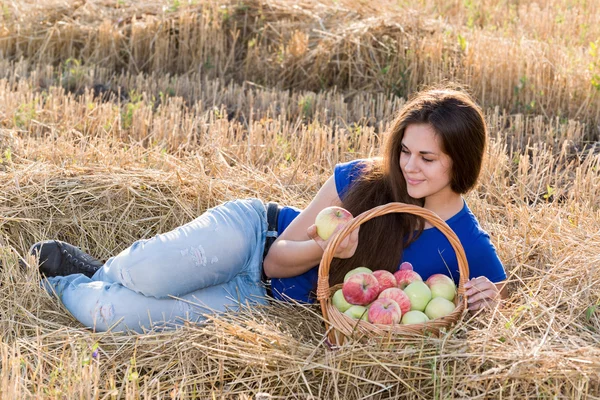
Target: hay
{"points": [[101, 170], [544, 341], [510, 55]]}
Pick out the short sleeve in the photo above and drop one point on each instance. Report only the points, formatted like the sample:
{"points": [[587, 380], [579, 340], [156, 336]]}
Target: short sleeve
{"points": [[346, 173], [484, 261]]}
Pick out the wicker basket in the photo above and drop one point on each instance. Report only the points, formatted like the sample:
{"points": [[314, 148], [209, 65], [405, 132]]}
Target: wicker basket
{"points": [[345, 327]]}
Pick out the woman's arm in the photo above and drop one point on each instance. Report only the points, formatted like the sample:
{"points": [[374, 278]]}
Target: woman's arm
{"points": [[298, 249]]}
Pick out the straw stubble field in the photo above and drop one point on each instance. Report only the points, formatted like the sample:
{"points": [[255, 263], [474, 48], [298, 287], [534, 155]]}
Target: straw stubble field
{"points": [[121, 120]]}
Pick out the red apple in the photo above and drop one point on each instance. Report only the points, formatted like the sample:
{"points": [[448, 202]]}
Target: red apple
{"points": [[361, 289], [357, 270], [384, 311], [398, 296], [439, 307], [441, 286], [405, 266], [328, 220], [405, 277], [419, 294], [385, 278]]}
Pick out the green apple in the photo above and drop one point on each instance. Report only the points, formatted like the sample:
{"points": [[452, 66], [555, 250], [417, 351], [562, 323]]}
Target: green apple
{"points": [[358, 312], [419, 295], [358, 270], [441, 286], [414, 317], [439, 307], [339, 301]]}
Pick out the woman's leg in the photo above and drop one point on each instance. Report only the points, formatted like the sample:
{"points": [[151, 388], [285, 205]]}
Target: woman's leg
{"points": [[101, 305], [214, 262], [224, 242]]}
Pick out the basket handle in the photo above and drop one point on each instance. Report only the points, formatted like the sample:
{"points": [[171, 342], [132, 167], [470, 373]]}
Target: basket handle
{"points": [[323, 280]]}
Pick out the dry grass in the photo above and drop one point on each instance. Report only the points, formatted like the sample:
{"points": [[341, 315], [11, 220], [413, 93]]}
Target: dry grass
{"points": [[534, 58], [102, 173]]}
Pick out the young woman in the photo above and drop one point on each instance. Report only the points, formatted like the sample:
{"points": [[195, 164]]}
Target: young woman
{"points": [[432, 156]]}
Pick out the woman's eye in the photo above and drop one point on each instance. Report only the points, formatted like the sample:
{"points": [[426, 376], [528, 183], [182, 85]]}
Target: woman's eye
{"points": [[427, 160], [405, 151]]}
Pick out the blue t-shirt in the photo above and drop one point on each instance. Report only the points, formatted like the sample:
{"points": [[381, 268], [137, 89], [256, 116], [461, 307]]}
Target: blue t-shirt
{"points": [[430, 254]]}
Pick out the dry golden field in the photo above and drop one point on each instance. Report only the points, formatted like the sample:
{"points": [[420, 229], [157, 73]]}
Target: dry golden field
{"points": [[120, 120]]}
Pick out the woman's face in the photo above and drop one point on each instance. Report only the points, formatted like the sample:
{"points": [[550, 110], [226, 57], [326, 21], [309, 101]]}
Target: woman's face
{"points": [[424, 166]]}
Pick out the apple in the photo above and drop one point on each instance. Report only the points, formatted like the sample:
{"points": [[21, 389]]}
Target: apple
{"points": [[405, 266], [405, 277], [439, 307], [357, 270], [339, 301], [361, 289], [385, 278], [419, 294], [358, 312], [384, 311], [414, 317], [329, 218], [441, 286], [398, 296]]}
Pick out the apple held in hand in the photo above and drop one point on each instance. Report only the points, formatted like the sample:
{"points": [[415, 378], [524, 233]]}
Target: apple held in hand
{"points": [[441, 286], [398, 296], [355, 271], [414, 317], [405, 277], [339, 301], [358, 312], [419, 294], [328, 220], [385, 278], [439, 307], [384, 311]]}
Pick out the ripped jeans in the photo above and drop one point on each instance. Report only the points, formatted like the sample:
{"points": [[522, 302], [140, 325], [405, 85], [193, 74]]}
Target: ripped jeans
{"points": [[211, 264]]}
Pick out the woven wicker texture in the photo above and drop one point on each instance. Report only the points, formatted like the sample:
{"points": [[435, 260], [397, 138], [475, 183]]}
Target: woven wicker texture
{"points": [[344, 326]]}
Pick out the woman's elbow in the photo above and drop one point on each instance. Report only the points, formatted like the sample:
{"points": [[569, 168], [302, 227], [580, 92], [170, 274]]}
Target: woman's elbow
{"points": [[269, 267]]}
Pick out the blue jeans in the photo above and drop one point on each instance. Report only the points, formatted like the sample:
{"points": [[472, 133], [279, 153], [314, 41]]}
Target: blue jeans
{"points": [[211, 264]]}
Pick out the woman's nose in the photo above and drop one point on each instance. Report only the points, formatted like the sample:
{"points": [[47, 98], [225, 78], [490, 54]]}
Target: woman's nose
{"points": [[411, 164]]}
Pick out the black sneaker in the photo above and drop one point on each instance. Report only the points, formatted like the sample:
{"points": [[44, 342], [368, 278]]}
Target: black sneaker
{"points": [[58, 258]]}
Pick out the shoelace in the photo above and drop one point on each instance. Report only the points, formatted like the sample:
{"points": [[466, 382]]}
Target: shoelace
{"points": [[77, 263]]}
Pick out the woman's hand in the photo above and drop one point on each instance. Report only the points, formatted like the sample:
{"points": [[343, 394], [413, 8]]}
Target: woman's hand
{"points": [[482, 293], [345, 249]]}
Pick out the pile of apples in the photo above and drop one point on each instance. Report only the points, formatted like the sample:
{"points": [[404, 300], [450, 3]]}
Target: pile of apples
{"points": [[381, 297]]}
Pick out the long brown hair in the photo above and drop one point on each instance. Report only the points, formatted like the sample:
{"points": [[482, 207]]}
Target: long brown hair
{"points": [[460, 125]]}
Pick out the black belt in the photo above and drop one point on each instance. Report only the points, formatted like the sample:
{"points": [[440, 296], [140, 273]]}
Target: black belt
{"points": [[272, 217]]}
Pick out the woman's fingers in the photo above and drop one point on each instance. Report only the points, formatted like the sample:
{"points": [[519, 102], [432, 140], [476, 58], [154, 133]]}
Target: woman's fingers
{"points": [[481, 288], [347, 246], [312, 233], [486, 303], [476, 282], [488, 294], [354, 235], [481, 293], [344, 246]]}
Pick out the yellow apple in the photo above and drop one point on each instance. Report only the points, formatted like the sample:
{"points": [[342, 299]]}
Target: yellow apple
{"points": [[328, 220]]}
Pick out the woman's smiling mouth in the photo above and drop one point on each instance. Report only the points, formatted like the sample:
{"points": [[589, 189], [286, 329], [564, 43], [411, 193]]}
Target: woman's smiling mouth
{"points": [[413, 181]]}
